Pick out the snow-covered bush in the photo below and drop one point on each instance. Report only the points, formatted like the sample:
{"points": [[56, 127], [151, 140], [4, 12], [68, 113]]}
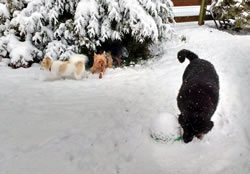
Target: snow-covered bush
{"points": [[22, 53], [59, 28], [4, 18], [232, 13]]}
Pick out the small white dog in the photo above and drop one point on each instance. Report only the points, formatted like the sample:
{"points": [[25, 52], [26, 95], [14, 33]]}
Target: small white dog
{"points": [[73, 68]]}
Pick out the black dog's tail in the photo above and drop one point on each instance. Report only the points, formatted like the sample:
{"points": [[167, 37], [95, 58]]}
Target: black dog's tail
{"points": [[186, 54]]}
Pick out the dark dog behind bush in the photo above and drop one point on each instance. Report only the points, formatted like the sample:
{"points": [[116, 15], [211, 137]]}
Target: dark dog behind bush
{"points": [[198, 96]]}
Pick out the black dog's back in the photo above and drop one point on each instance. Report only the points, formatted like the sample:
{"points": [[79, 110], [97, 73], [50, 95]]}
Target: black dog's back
{"points": [[200, 68], [198, 96]]}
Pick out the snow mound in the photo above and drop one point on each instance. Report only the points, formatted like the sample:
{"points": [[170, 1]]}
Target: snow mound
{"points": [[21, 52], [4, 62], [4, 11], [165, 128]]}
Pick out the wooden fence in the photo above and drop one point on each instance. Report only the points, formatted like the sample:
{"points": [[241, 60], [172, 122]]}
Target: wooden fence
{"points": [[188, 10]]}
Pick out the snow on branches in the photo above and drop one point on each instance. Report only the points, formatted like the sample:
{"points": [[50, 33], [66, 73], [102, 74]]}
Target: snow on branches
{"points": [[231, 13], [61, 27]]}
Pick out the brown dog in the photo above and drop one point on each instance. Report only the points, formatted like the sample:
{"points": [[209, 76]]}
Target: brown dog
{"points": [[101, 62]]}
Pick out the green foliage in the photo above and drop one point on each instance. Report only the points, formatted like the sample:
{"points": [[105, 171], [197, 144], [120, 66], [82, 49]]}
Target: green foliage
{"points": [[183, 38], [137, 51], [232, 13]]}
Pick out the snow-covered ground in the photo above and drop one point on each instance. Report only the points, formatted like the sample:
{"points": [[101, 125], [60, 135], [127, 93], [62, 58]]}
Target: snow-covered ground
{"points": [[103, 126]]}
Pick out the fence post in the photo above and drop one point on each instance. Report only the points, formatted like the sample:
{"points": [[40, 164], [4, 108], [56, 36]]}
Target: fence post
{"points": [[202, 12]]}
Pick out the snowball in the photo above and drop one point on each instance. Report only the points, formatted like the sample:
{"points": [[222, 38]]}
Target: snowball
{"points": [[165, 128]]}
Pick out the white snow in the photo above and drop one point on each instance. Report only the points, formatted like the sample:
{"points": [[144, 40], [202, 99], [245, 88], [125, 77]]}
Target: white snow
{"points": [[103, 126], [182, 11], [21, 51], [86, 10], [142, 24], [4, 11]]}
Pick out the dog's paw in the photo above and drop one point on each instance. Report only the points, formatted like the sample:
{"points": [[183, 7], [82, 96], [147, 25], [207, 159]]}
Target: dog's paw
{"points": [[100, 76]]}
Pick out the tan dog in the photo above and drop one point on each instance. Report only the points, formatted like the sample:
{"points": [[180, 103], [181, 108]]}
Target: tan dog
{"points": [[110, 59], [74, 68], [101, 62]]}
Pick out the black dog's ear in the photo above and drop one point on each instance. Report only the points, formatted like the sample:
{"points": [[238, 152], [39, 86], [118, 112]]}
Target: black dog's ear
{"points": [[186, 54], [208, 127], [181, 56]]}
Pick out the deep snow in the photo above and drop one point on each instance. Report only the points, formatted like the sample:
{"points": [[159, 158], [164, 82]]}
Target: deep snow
{"points": [[103, 126]]}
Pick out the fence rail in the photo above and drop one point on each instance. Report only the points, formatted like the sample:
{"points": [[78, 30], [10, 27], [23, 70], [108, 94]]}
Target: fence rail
{"points": [[188, 10], [188, 2]]}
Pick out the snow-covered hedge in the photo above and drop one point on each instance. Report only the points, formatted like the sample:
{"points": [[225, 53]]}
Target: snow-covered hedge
{"points": [[59, 28], [232, 13]]}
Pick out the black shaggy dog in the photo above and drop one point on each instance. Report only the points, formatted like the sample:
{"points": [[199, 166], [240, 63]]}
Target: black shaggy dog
{"points": [[198, 96]]}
